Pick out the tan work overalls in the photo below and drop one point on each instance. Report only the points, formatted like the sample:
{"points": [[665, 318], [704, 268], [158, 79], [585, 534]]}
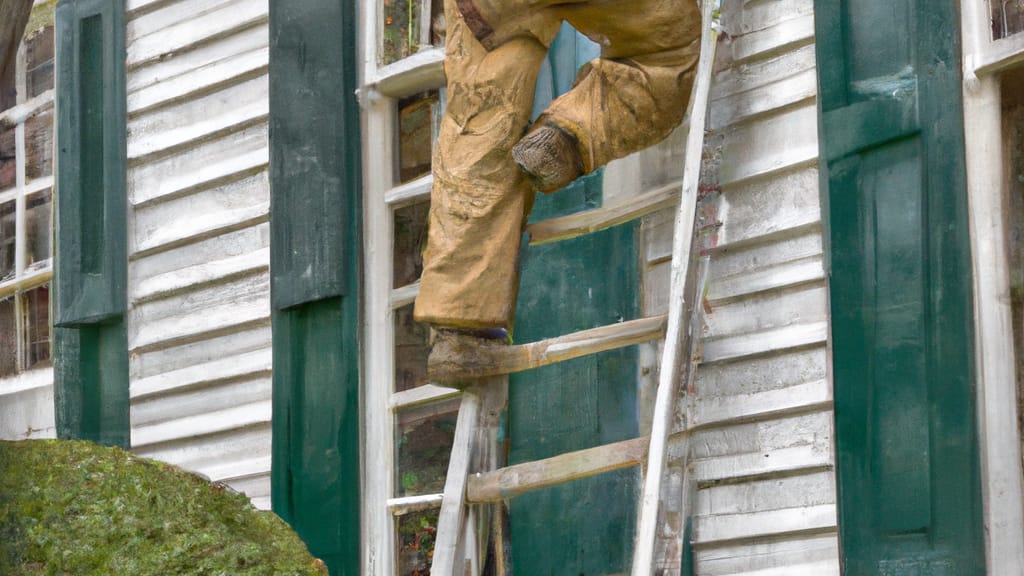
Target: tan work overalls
{"points": [[629, 98]]}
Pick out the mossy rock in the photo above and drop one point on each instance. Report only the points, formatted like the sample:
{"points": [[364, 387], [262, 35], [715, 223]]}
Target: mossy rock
{"points": [[75, 508]]}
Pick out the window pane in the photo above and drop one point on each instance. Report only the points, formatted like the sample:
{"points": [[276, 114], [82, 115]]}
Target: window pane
{"points": [[1007, 17], [8, 341], [39, 144], [438, 26], [410, 350], [37, 326], [8, 160], [418, 119], [416, 535], [401, 29], [37, 221], [410, 239], [423, 444], [7, 238], [39, 61]]}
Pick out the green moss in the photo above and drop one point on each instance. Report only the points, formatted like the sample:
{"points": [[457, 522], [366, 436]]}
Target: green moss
{"points": [[69, 507]]}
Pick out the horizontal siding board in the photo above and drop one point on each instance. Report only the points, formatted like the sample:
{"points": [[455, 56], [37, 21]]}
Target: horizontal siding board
{"points": [[768, 494], [749, 211], [199, 81], [217, 50], [187, 33], [799, 306], [235, 367], [767, 524], [768, 463], [758, 374], [809, 555], [202, 424], [200, 167], [200, 275], [769, 145], [185, 403], [761, 405]]}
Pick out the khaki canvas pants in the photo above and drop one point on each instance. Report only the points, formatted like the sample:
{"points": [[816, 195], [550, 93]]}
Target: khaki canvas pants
{"points": [[629, 98]]}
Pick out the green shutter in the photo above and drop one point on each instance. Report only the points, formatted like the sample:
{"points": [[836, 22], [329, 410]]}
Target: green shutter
{"points": [[314, 174], [91, 185], [91, 351], [894, 185], [585, 527]]}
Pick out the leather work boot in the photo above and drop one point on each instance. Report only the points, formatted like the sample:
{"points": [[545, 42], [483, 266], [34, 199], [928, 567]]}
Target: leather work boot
{"points": [[455, 355], [549, 157]]}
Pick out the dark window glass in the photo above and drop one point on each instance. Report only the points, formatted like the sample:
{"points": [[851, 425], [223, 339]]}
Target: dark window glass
{"points": [[39, 144], [1007, 17], [37, 326], [423, 443], [8, 160], [7, 238], [8, 338], [418, 120], [410, 239], [410, 350], [38, 214], [401, 30], [417, 532], [39, 61]]}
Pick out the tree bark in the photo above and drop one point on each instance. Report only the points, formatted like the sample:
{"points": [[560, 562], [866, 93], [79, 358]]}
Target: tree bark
{"points": [[13, 18]]}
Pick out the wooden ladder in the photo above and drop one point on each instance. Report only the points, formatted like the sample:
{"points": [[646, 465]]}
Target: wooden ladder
{"points": [[472, 477]]}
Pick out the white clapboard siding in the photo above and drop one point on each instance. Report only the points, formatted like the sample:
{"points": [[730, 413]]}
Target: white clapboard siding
{"points": [[761, 408], [26, 405], [199, 286]]}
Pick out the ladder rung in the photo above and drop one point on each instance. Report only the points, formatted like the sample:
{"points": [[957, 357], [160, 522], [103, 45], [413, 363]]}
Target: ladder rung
{"points": [[515, 480], [497, 360], [603, 218]]}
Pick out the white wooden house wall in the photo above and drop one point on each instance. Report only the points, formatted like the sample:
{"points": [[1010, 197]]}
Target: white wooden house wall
{"points": [[766, 502], [198, 274], [762, 409]]}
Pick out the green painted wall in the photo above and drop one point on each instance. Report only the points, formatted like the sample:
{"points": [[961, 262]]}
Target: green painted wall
{"points": [[90, 345], [314, 221], [585, 527], [893, 182]]}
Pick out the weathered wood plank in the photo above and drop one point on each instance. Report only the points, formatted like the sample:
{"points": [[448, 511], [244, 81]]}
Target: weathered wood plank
{"points": [[522, 478], [764, 405], [773, 557], [771, 523], [199, 275], [591, 221], [406, 504], [186, 34], [769, 278], [202, 424], [760, 464], [233, 367], [496, 360], [764, 342]]}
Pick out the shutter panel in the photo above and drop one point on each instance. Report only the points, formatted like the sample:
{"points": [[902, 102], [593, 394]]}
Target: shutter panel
{"points": [[91, 188], [314, 173], [90, 345], [894, 186], [586, 526], [311, 159]]}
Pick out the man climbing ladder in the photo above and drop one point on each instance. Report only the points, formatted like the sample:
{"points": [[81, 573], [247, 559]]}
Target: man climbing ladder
{"points": [[486, 171]]}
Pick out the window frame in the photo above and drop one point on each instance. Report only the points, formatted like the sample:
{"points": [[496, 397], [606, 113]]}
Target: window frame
{"points": [[984, 59], [380, 89], [26, 277]]}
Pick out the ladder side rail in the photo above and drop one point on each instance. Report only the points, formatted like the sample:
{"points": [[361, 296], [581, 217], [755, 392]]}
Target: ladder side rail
{"points": [[671, 360], [451, 520]]}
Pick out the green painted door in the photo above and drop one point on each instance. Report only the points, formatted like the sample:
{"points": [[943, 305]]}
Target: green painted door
{"points": [[894, 188], [585, 527]]}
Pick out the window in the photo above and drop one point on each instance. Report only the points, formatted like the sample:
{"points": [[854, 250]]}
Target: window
{"points": [[26, 205], [994, 126], [410, 423]]}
